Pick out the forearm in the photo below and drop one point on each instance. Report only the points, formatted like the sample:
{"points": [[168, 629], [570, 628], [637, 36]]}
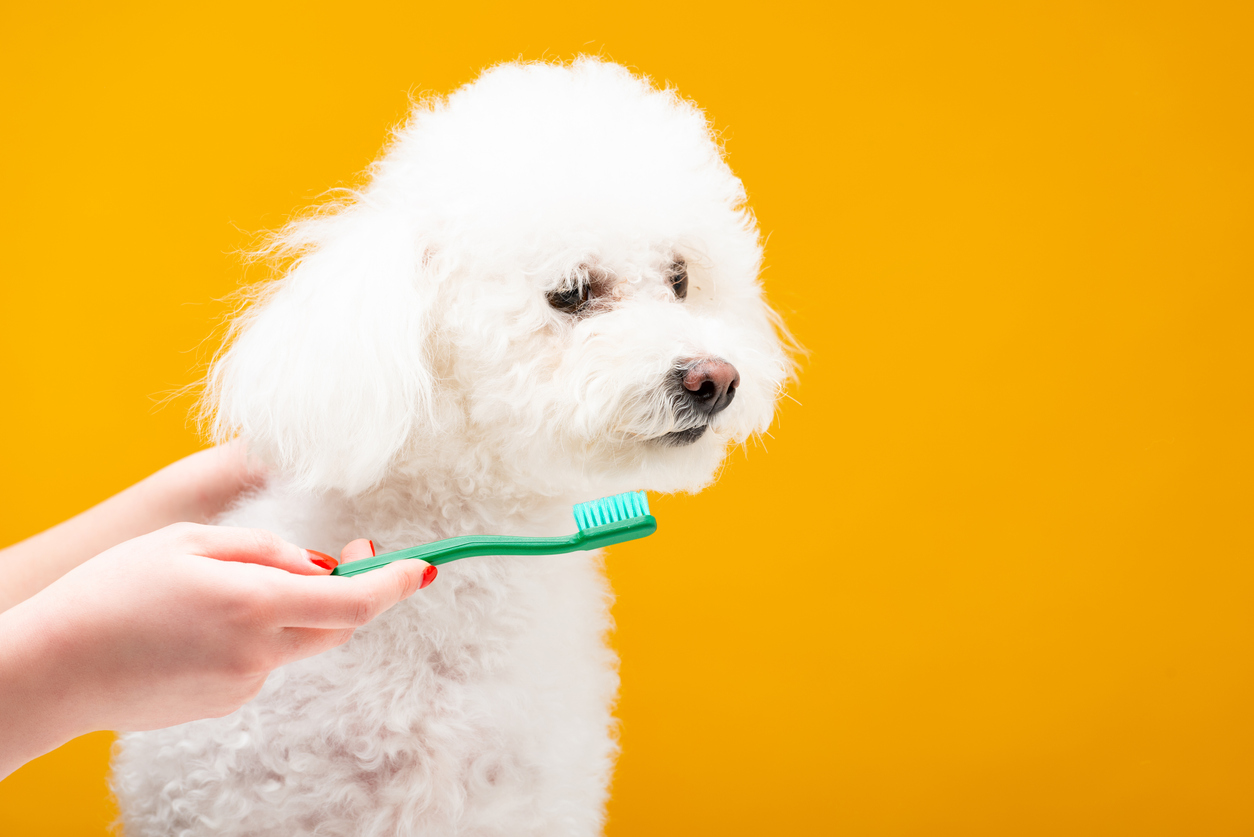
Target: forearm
{"points": [[194, 489], [42, 709]]}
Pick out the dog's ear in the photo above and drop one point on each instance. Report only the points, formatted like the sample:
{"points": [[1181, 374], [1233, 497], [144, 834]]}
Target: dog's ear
{"points": [[327, 374]]}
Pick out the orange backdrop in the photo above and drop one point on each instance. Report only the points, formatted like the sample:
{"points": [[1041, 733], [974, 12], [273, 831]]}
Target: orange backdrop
{"points": [[993, 571]]}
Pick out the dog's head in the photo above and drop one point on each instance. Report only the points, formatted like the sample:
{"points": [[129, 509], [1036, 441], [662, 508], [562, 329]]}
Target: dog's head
{"points": [[553, 270]]}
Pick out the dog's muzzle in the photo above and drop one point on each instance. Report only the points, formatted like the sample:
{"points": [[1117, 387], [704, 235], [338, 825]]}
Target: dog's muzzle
{"points": [[702, 388]]}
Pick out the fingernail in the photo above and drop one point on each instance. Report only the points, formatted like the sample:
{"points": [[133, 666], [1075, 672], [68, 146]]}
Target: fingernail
{"points": [[428, 576], [322, 559], [372, 552]]}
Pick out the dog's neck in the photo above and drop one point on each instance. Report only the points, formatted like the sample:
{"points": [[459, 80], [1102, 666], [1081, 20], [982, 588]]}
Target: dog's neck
{"points": [[461, 489]]}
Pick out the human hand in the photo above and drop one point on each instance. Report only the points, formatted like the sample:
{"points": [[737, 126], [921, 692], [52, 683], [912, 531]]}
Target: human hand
{"points": [[181, 624]]}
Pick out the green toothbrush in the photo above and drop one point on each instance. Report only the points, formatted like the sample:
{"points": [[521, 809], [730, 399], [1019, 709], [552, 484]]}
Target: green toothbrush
{"points": [[623, 517]]}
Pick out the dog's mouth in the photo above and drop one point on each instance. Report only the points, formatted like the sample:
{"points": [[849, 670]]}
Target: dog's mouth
{"points": [[679, 438]]}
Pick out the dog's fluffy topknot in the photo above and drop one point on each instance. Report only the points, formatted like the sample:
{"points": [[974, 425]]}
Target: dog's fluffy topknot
{"points": [[591, 157]]}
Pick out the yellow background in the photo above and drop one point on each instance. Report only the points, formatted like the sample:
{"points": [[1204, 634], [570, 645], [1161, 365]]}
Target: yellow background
{"points": [[995, 575]]}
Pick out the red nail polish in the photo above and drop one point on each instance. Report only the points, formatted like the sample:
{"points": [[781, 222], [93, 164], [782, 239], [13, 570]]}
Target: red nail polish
{"points": [[321, 559], [372, 552], [428, 576]]}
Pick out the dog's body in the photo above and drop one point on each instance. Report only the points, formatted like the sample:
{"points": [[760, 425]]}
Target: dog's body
{"points": [[547, 294], [480, 706]]}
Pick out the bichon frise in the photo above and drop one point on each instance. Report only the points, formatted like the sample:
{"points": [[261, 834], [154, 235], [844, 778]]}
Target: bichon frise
{"points": [[547, 293]]}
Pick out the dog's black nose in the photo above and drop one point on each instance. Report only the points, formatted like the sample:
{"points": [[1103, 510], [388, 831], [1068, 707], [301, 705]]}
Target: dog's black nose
{"points": [[710, 384]]}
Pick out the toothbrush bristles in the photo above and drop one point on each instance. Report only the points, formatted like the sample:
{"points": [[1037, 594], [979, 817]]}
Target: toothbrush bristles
{"points": [[611, 509]]}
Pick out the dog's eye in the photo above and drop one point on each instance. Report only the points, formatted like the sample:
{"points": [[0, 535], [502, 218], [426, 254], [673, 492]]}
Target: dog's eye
{"points": [[677, 278], [569, 300]]}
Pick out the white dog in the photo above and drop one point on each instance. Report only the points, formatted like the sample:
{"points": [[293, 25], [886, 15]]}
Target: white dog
{"points": [[547, 293]]}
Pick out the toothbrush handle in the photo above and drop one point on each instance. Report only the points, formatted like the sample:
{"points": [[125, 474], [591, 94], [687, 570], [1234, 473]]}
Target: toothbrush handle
{"points": [[450, 549]]}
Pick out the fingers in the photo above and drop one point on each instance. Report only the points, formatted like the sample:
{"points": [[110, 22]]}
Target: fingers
{"points": [[250, 546], [352, 601], [298, 601]]}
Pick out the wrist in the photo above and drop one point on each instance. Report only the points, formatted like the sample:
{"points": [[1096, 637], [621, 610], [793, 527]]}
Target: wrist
{"points": [[44, 706]]}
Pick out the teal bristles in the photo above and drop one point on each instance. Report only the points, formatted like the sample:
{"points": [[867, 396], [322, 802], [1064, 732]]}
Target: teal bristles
{"points": [[611, 509]]}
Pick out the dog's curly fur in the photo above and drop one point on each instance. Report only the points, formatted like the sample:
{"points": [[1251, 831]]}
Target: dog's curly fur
{"points": [[410, 378]]}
